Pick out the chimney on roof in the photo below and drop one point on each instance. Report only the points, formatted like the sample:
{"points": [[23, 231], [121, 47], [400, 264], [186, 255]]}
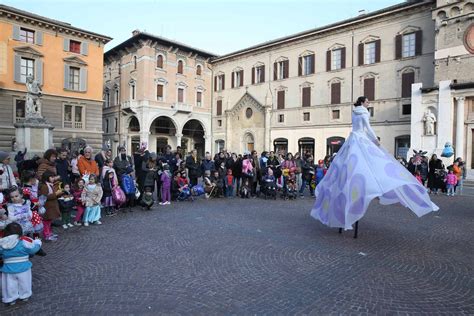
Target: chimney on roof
{"points": [[362, 12], [135, 32]]}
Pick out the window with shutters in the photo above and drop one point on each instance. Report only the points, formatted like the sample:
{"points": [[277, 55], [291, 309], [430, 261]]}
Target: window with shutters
{"points": [[220, 82], [107, 99], [73, 116], [199, 98], [159, 61], [336, 58], [133, 90], [27, 36], [198, 70], [408, 78], [75, 47], [20, 110], [369, 88], [116, 97], [180, 95], [281, 100], [116, 125], [219, 107], [74, 78], [237, 78], [159, 92], [106, 121], [27, 68], [260, 74], [282, 70], [308, 65], [336, 114], [180, 66], [306, 96], [369, 53], [335, 93], [281, 118], [409, 45], [219, 123], [306, 116], [406, 109]]}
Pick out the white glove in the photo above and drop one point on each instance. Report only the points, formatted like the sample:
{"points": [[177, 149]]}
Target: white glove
{"points": [[37, 242]]}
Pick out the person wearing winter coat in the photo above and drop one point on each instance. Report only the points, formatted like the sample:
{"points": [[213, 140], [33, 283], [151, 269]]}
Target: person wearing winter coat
{"points": [[207, 164], [91, 197], [194, 167], [16, 269], [52, 193], [63, 167], [86, 164], [150, 172], [7, 179], [123, 163], [47, 163]]}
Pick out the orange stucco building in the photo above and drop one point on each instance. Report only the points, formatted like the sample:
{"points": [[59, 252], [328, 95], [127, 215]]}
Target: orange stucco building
{"points": [[67, 61]]}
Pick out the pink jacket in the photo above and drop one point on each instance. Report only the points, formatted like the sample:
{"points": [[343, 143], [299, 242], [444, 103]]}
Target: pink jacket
{"points": [[451, 179], [247, 166]]}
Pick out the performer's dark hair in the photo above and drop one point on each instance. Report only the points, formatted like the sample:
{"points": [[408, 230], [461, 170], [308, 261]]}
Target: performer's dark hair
{"points": [[13, 229], [360, 101]]}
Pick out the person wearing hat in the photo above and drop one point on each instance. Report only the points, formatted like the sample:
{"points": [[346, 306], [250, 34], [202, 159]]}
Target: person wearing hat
{"points": [[100, 158], [150, 169], [122, 162], [7, 179]]}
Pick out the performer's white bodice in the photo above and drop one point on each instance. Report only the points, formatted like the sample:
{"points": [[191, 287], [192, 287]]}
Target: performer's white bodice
{"points": [[361, 124]]}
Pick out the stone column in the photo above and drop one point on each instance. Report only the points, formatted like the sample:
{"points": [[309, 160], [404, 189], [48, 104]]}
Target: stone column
{"points": [[227, 132], [178, 139], [267, 129], [208, 143], [445, 114], [416, 126], [144, 138], [460, 127]]}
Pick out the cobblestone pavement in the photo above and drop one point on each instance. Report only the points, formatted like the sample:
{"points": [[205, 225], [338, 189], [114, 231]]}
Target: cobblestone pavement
{"points": [[259, 257]]}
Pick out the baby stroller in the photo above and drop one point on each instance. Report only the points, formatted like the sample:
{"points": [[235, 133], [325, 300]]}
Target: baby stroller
{"points": [[269, 189], [289, 191], [185, 194]]}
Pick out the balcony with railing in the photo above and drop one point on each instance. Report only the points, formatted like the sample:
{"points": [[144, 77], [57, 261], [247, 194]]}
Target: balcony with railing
{"points": [[182, 107], [75, 125]]}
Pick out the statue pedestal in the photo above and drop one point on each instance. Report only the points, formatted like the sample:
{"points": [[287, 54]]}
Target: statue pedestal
{"points": [[35, 134]]}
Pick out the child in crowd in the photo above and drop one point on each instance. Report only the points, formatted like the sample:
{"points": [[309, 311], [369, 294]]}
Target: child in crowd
{"points": [[166, 185], [66, 204], [175, 187], [451, 181], [16, 270], [29, 181], [245, 189], [147, 198], [183, 184], [51, 205], [268, 183], [91, 197], [80, 207], [418, 176], [108, 185], [291, 189], [129, 188], [219, 183], [229, 183], [19, 210], [320, 171], [209, 187]]}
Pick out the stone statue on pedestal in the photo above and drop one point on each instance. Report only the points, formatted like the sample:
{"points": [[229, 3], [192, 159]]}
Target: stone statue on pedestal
{"points": [[429, 119], [33, 98]]}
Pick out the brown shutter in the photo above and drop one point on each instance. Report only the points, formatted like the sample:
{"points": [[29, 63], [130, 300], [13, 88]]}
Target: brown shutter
{"points": [[369, 88], [313, 64], [199, 96], [159, 90], [300, 66], [398, 47], [343, 58], [286, 68], [232, 80], [253, 75], [418, 42], [219, 107], [215, 83], [160, 61], [241, 78], [328, 60], [262, 76], [223, 82], [180, 67], [281, 100], [377, 50], [361, 54], [407, 79], [306, 96], [275, 71], [336, 93]]}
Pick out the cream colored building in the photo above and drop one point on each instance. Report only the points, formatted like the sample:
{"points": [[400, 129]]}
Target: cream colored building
{"points": [[451, 98], [157, 92], [297, 92]]}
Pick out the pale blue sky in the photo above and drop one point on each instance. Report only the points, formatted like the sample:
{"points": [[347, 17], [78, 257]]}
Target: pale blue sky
{"points": [[219, 27]]}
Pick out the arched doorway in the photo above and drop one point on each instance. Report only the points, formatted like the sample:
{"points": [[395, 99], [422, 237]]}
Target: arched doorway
{"points": [[133, 125], [162, 134], [306, 146], [133, 134], [193, 137], [333, 144], [280, 146], [249, 142]]}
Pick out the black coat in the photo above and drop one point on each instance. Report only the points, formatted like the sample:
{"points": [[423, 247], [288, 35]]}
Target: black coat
{"points": [[194, 167], [434, 180], [62, 168]]}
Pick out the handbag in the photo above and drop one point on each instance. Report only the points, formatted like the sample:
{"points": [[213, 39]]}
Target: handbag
{"points": [[118, 196]]}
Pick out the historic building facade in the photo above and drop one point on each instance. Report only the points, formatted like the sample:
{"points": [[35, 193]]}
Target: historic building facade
{"points": [[296, 93], [451, 98], [67, 61], [157, 92]]}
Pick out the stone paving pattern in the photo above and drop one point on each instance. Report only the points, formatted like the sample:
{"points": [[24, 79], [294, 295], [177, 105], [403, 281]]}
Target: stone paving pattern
{"points": [[259, 257]]}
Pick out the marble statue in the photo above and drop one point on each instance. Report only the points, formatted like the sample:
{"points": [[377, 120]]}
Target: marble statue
{"points": [[429, 119], [33, 98]]}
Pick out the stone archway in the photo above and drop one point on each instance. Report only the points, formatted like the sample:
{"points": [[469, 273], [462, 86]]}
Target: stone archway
{"points": [[193, 137], [162, 133]]}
